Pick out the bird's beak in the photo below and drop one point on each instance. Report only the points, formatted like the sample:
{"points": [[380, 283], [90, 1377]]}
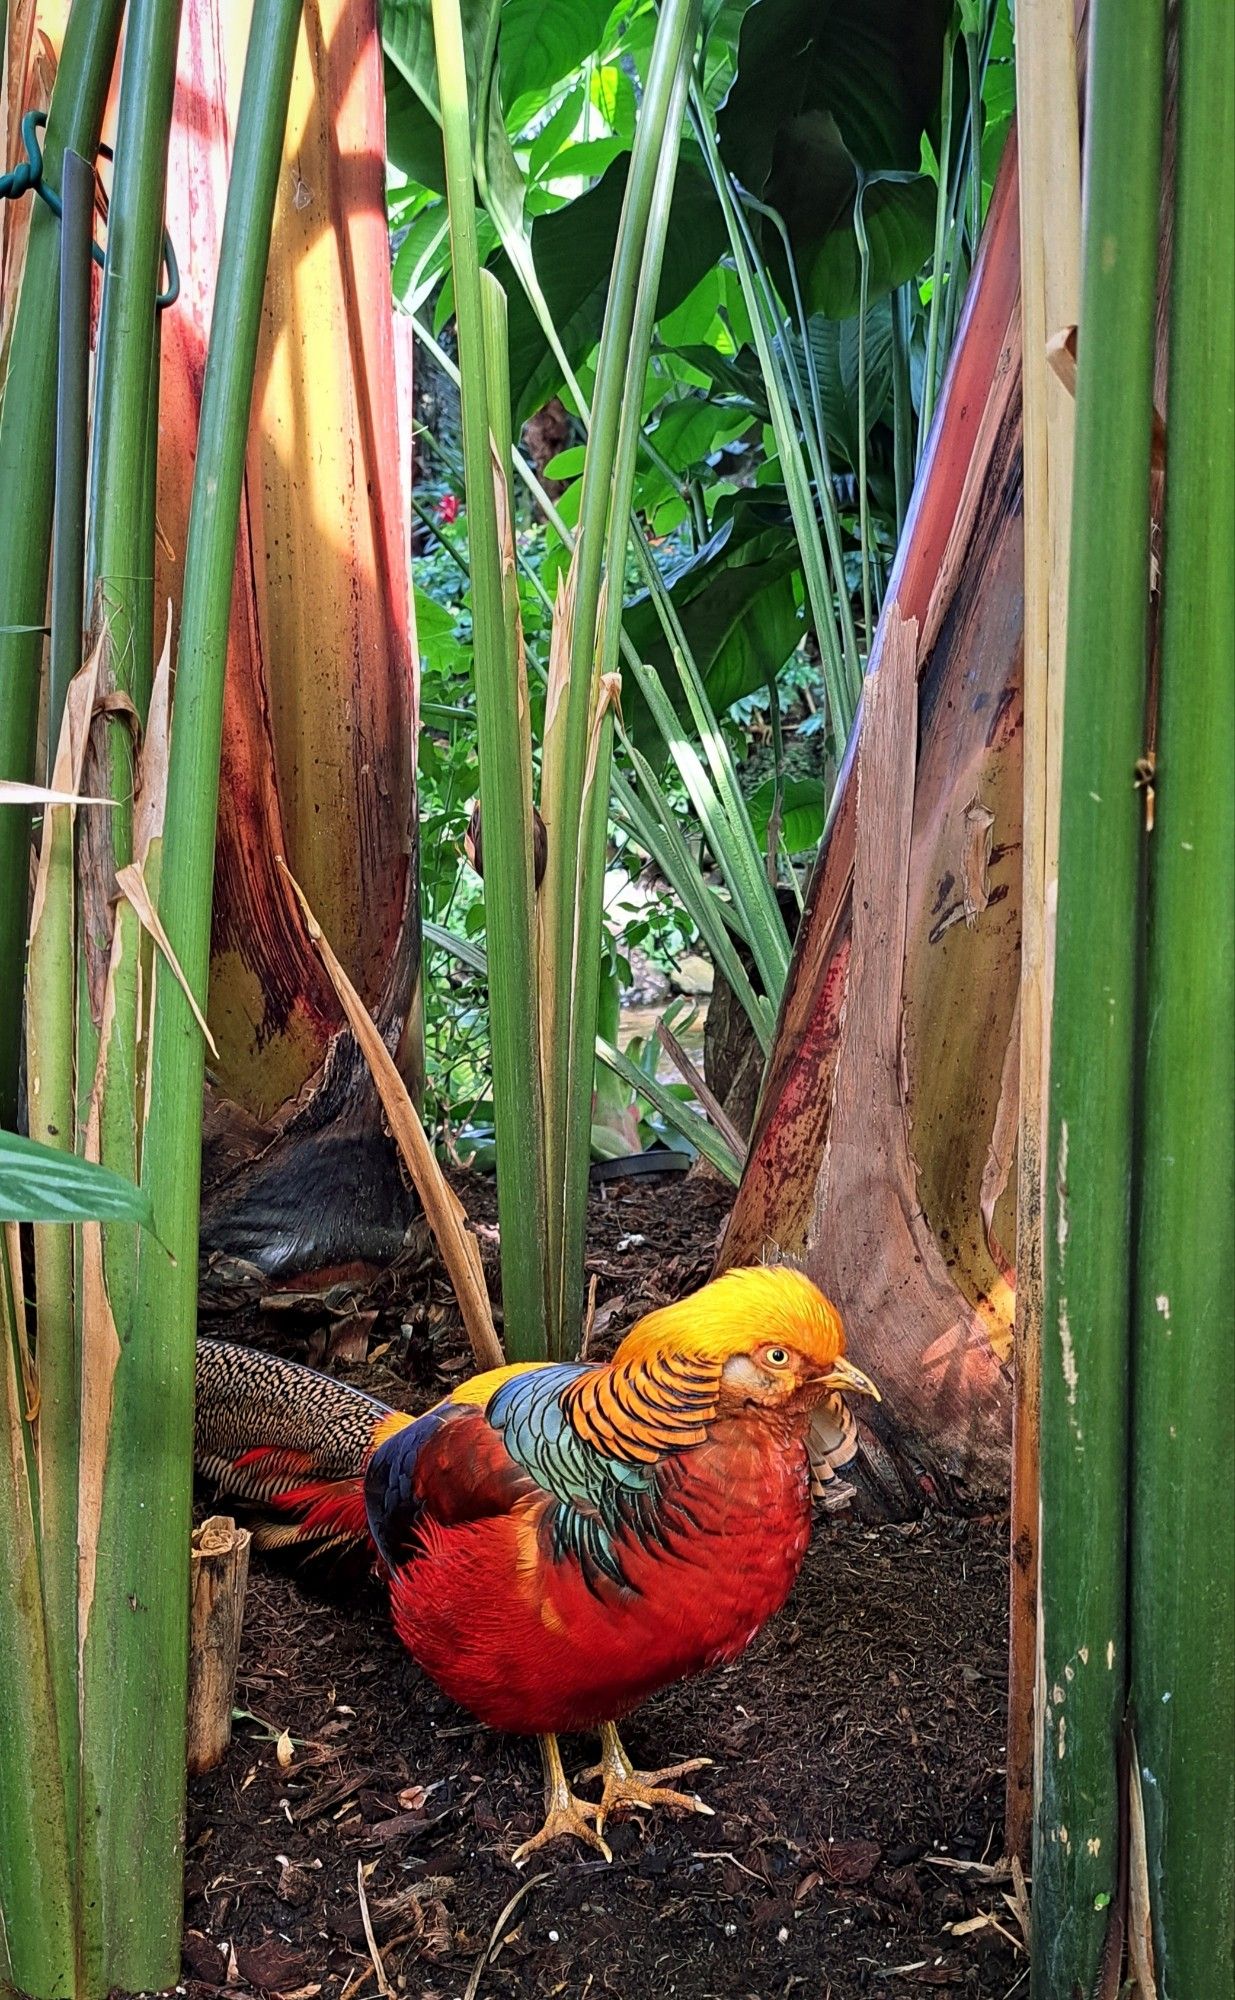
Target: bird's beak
{"points": [[844, 1375]]}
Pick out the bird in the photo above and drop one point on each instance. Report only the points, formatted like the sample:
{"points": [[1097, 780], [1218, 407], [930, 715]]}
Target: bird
{"points": [[560, 1540]]}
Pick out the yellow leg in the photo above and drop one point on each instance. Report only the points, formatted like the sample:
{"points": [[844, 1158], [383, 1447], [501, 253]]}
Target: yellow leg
{"points": [[624, 1788], [566, 1817]]}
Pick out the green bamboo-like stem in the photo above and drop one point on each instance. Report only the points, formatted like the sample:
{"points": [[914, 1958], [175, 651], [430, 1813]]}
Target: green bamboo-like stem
{"points": [[509, 899], [734, 851], [933, 368], [1089, 1170], [864, 260], [121, 562], [120, 550], [36, 1886], [72, 428], [135, 1660], [27, 444], [838, 677], [504, 733], [574, 886], [731, 837], [1183, 1528], [842, 650], [902, 403], [50, 985]]}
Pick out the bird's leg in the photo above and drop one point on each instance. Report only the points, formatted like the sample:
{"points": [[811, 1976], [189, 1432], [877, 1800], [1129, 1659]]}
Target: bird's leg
{"points": [[565, 1815], [623, 1786]]}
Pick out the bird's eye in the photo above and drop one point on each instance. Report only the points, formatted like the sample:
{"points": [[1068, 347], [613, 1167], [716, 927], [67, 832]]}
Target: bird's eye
{"points": [[777, 1356]]}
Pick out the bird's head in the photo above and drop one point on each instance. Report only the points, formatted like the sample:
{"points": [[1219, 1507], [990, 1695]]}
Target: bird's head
{"points": [[773, 1340]]}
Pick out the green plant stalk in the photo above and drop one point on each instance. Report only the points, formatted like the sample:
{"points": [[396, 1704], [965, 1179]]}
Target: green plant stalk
{"points": [[50, 987], [902, 404], [655, 827], [718, 797], [36, 1884], [518, 249], [72, 435], [573, 894], [509, 901], [27, 435], [864, 260], [135, 1663], [735, 850], [797, 484], [505, 749], [974, 67], [1183, 1541], [930, 377], [814, 430], [1090, 1154], [703, 1137], [713, 786], [729, 832], [778, 779], [120, 563]]}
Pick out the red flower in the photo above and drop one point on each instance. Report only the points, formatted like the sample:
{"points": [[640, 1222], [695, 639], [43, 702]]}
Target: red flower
{"points": [[448, 508]]}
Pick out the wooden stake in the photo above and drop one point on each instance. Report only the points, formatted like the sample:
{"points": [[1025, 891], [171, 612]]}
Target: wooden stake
{"points": [[220, 1571]]}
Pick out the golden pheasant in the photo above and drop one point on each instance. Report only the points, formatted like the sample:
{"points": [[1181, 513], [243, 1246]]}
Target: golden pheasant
{"points": [[560, 1539]]}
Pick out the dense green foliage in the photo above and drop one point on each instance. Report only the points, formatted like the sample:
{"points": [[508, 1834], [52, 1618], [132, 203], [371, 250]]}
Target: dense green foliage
{"points": [[797, 101]]}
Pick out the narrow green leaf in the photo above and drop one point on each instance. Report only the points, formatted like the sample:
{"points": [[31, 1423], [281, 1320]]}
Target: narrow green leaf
{"points": [[40, 1184]]}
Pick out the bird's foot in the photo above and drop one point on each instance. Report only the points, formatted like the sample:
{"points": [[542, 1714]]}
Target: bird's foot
{"points": [[565, 1821], [566, 1817], [625, 1789]]}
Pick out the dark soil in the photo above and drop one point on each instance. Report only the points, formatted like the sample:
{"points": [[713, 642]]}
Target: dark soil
{"points": [[857, 1750]]}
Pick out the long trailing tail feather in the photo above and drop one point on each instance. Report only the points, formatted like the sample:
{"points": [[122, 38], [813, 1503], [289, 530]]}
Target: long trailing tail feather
{"points": [[290, 1443]]}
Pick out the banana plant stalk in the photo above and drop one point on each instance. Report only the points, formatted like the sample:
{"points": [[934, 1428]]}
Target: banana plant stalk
{"points": [[1089, 1176]]}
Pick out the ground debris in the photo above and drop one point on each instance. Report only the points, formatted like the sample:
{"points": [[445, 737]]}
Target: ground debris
{"points": [[858, 1742]]}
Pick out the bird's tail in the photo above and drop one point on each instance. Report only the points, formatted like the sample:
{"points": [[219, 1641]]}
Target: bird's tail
{"points": [[291, 1443]]}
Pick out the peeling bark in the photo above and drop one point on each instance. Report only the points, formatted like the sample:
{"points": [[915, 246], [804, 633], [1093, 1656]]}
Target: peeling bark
{"points": [[887, 1092]]}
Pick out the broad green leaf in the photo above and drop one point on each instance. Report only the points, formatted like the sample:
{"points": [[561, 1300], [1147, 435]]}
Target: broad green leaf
{"points": [[834, 345], [613, 95], [738, 605], [40, 1184], [691, 428], [436, 644], [585, 162], [821, 93], [556, 132], [803, 809], [542, 41], [573, 253], [413, 118], [423, 257]]}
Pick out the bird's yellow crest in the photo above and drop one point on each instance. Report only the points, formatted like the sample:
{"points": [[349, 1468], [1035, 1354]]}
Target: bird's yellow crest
{"points": [[740, 1312]]}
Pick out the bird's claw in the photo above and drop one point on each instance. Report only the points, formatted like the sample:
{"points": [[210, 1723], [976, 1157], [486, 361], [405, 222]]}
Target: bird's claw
{"points": [[644, 1791], [567, 1822]]}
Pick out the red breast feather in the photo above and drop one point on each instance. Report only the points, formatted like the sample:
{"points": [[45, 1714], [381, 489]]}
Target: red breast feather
{"points": [[533, 1644]]}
